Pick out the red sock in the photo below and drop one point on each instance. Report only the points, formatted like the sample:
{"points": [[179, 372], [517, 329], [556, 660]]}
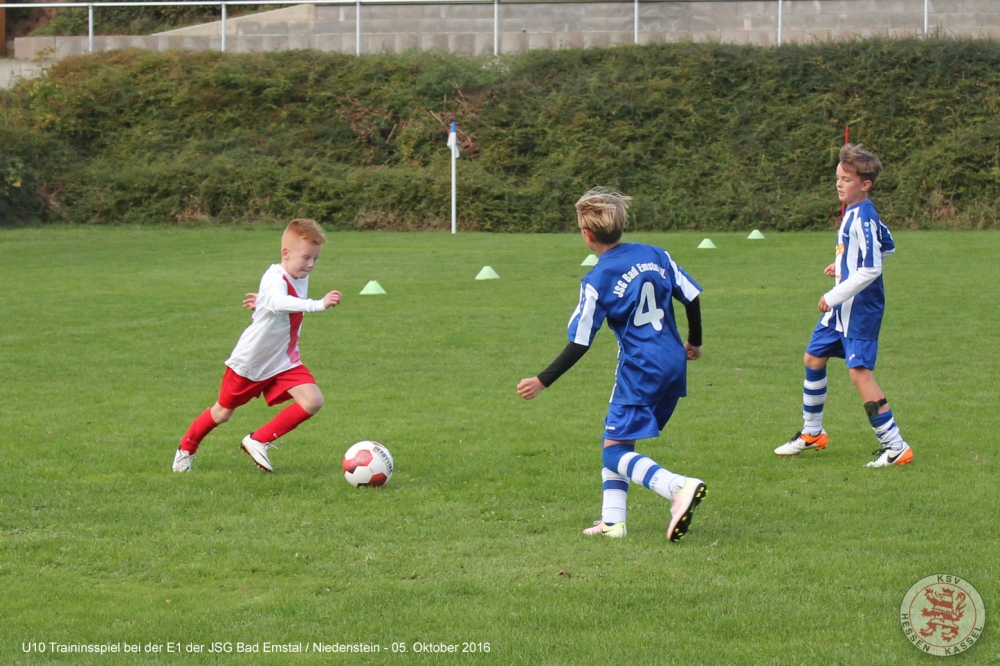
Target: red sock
{"points": [[202, 425], [287, 420]]}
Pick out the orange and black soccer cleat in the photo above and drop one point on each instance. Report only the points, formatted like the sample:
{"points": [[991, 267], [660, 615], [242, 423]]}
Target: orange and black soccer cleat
{"points": [[803, 442], [888, 457]]}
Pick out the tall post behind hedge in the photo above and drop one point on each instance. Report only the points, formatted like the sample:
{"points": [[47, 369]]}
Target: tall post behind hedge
{"points": [[779, 22], [635, 24]]}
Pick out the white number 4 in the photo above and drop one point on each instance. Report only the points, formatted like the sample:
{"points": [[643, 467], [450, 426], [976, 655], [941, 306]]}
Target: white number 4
{"points": [[648, 313]]}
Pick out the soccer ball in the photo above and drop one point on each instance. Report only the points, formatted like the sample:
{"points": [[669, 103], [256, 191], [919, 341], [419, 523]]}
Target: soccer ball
{"points": [[367, 464]]}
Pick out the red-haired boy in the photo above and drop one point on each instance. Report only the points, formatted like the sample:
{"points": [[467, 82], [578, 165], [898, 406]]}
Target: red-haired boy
{"points": [[266, 359]]}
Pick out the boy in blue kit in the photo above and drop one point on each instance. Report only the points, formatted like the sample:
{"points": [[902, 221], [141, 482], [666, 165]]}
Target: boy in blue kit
{"points": [[852, 316], [632, 286]]}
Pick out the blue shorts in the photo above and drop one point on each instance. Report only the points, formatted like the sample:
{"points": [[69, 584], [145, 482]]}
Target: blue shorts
{"points": [[627, 422], [827, 342]]}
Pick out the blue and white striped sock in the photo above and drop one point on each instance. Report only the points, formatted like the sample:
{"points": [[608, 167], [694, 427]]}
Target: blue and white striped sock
{"points": [[642, 470], [615, 497], [886, 430], [813, 399]]}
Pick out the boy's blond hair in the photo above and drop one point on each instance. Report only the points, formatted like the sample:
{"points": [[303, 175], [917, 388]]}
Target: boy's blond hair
{"points": [[862, 162], [307, 230], [604, 213]]}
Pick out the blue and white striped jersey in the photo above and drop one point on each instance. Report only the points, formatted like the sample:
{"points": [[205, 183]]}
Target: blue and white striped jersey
{"points": [[862, 242], [632, 286]]}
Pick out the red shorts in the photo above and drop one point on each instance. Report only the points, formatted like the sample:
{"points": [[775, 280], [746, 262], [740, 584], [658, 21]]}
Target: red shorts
{"points": [[237, 390]]}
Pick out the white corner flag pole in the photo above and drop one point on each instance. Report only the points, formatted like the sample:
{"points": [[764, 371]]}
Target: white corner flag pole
{"points": [[453, 144]]}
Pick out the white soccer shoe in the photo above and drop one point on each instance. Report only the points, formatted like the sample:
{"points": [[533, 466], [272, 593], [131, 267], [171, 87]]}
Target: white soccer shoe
{"points": [[258, 452], [685, 502], [615, 531], [802, 442], [888, 457], [183, 460]]}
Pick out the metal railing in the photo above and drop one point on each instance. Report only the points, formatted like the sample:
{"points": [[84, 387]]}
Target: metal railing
{"points": [[357, 4]]}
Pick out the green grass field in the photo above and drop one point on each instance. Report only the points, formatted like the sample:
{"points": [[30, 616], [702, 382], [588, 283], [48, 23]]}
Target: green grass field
{"points": [[112, 341]]}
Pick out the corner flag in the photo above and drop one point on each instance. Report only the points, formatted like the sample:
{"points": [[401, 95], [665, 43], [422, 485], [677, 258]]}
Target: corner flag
{"points": [[453, 144], [453, 141]]}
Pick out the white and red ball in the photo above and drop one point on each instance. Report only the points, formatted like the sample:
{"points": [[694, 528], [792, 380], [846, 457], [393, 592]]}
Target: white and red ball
{"points": [[367, 464]]}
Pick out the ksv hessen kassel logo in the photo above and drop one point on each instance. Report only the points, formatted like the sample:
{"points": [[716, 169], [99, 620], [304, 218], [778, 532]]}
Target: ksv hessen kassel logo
{"points": [[942, 615]]}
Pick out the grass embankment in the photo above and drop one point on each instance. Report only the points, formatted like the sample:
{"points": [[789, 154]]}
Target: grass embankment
{"points": [[705, 136]]}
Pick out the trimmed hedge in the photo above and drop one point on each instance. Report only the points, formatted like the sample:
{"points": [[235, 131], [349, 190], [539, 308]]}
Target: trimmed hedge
{"points": [[704, 136]]}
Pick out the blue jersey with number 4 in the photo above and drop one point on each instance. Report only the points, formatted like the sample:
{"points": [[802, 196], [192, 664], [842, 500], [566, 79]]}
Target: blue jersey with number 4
{"points": [[632, 286]]}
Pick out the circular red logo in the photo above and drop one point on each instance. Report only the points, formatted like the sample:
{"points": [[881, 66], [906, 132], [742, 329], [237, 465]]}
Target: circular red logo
{"points": [[942, 615]]}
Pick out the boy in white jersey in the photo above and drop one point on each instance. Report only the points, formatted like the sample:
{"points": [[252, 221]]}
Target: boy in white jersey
{"points": [[852, 316], [266, 359], [633, 286]]}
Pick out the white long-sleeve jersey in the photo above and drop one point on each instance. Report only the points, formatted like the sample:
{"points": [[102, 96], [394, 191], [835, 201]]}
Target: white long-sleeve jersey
{"points": [[270, 344]]}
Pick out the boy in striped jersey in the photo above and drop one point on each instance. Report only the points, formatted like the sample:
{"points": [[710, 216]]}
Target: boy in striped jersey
{"points": [[632, 286], [852, 316], [266, 359]]}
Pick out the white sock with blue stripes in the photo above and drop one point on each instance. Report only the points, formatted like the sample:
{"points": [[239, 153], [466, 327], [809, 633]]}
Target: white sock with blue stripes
{"points": [[645, 471], [813, 400], [615, 497], [886, 430]]}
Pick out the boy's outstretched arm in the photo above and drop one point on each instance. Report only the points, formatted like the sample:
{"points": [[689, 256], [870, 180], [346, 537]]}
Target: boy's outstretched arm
{"points": [[529, 387], [330, 300]]}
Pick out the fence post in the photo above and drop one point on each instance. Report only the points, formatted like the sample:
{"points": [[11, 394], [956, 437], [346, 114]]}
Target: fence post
{"points": [[223, 27], [926, 17], [357, 28], [636, 36], [90, 28], [779, 22], [496, 27]]}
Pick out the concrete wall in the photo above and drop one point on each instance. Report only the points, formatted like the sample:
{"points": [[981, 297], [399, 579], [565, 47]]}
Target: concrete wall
{"points": [[11, 71], [468, 28]]}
